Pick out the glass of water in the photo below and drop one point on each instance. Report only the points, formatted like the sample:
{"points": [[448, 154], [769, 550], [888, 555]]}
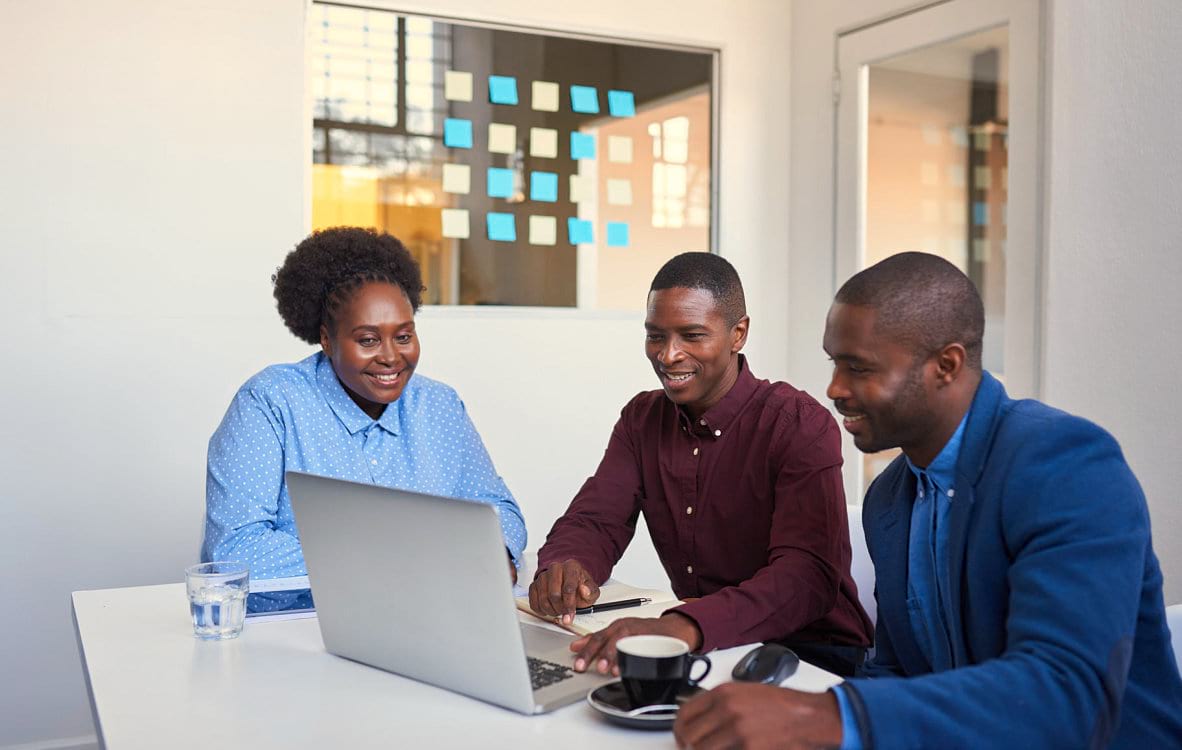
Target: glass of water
{"points": [[217, 598]]}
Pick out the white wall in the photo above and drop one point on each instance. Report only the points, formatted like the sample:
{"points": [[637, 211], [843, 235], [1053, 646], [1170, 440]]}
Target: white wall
{"points": [[1114, 251], [135, 278], [1113, 220]]}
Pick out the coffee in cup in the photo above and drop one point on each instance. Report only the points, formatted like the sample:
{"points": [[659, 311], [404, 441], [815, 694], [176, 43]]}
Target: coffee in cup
{"points": [[655, 668]]}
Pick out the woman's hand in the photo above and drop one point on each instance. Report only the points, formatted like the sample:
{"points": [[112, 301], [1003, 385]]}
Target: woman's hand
{"points": [[512, 566]]}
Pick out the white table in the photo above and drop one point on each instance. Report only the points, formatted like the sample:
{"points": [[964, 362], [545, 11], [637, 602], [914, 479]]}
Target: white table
{"points": [[152, 685]]}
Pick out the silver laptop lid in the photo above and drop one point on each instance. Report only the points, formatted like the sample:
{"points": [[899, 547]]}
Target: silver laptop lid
{"points": [[414, 584]]}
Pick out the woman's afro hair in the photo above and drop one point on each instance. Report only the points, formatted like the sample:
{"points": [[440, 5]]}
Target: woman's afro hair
{"points": [[324, 270]]}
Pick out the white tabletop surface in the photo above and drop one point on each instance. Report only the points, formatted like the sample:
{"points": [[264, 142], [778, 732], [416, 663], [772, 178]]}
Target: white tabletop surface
{"points": [[153, 685]]}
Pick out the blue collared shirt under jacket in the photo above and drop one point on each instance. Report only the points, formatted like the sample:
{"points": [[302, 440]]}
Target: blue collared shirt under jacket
{"points": [[927, 555], [298, 416]]}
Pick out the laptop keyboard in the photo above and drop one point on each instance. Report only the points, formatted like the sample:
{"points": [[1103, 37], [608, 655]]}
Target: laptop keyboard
{"points": [[543, 673]]}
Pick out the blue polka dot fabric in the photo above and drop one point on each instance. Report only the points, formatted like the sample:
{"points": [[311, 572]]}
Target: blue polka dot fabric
{"points": [[298, 416]]}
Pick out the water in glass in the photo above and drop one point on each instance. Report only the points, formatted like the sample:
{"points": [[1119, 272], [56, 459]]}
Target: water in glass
{"points": [[218, 612], [217, 599]]}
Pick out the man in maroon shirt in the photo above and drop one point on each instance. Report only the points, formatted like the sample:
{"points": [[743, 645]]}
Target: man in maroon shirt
{"points": [[739, 481]]}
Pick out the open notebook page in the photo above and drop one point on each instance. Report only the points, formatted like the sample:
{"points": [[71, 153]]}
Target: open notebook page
{"points": [[614, 592]]}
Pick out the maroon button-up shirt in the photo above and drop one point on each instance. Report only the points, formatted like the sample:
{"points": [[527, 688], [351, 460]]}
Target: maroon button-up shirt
{"points": [[745, 507]]}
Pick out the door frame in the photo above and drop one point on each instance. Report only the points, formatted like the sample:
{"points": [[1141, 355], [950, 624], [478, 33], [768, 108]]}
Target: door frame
{"points": [[857, 47]]}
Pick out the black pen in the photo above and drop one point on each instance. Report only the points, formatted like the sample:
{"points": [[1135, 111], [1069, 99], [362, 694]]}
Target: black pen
{"points": [[611, 605]]}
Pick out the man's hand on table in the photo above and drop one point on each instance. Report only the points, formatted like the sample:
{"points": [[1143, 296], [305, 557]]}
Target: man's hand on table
{"points": [[738, 714], [598, 650], [562, 588]]}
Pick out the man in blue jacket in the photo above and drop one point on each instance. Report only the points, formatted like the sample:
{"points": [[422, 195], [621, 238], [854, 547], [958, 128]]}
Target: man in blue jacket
{"points": [[1019, 599]]}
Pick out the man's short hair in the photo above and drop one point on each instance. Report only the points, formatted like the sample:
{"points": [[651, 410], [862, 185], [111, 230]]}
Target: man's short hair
{"points": [[705, 271], [923, 301]]}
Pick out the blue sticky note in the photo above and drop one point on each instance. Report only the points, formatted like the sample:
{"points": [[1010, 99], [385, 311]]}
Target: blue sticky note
{"points": [[500, 182], [980, 214], [579, 231], [617, 234], [543, 186], [501, 227], [621, 103], [584, 99], [502, 89], [457, 133], [582, 146]]}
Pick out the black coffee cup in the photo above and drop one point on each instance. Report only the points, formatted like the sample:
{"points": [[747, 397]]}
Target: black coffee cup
{"points": [[655, 668]]}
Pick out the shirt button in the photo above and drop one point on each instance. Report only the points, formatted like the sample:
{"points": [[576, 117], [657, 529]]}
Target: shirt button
{"points": [[718, 433], [951, 493], [373, 461], [695, 451], [702, 422], [689, 569], [689, 511]]}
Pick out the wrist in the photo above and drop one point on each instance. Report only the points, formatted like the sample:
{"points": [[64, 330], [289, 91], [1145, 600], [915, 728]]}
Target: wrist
{"points": [[827, 723], [544, 564], [685, 628], [541, 567]]}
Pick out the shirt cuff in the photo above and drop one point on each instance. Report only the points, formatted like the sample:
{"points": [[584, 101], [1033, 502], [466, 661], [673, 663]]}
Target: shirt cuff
{"points": [[850, 738], [711, 622]]}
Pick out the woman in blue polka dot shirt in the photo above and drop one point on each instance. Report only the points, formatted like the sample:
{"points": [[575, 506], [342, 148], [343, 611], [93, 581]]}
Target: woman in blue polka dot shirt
{"points": [[353, 410]]}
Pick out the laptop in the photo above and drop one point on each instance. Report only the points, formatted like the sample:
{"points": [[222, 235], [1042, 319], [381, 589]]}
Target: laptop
{"points": [[419, 585]]}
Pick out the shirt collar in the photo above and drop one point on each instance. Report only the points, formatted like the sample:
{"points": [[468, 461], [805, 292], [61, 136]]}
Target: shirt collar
{"points": [[942, 469], [346, 409], [720, 416], [391, 419]]}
